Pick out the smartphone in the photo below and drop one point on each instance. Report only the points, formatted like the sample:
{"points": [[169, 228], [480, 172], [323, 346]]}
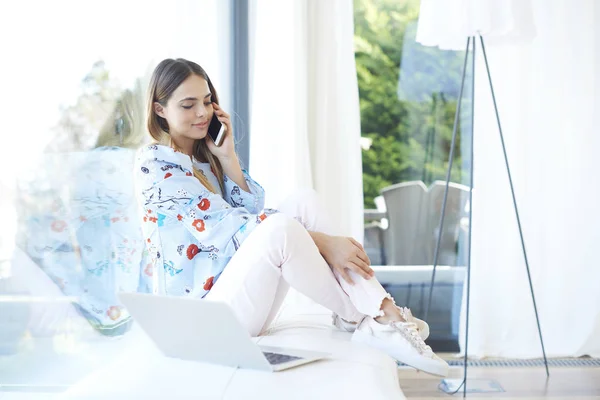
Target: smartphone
{"points": [[216, 130]]}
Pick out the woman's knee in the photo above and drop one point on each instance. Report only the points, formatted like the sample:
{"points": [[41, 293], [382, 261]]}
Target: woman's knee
{"points": [[282, 224], [283, 237]]}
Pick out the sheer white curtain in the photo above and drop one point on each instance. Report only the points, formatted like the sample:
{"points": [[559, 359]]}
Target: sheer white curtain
{"points": [[548, 97], [305, 111]]}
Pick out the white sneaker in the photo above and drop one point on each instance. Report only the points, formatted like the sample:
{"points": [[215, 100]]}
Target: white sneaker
{"points": [[348, 326], [422, 326], [401, 341]]}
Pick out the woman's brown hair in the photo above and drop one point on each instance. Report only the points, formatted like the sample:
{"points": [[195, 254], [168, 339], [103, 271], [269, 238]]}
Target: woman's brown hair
{"points": [[167, 77]]}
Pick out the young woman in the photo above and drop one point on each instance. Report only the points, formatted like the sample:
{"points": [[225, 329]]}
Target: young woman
{"points": [[209, 236]]}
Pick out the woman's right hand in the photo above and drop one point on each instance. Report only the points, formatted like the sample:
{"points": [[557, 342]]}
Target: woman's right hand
{"points": [[345, 254]]}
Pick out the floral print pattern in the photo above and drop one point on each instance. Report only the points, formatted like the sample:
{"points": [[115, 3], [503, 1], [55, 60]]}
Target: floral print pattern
{"points": [[80, 225], [196, 231]]}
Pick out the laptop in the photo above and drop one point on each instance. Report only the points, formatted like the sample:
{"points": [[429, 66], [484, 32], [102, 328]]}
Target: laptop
{"points": [[207, 331]]}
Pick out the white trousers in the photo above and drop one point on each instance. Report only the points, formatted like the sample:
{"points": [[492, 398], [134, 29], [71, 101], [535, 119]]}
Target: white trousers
{"points": [[280, 253]]}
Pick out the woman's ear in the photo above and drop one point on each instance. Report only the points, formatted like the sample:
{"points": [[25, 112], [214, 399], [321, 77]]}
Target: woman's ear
{"points": [[159, 109]]}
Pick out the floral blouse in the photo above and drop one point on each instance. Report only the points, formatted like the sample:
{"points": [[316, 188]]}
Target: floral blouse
{"points": [[190, 232]]}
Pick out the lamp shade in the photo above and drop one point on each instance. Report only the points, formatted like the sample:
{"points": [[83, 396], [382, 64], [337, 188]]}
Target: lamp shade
{"points": [[447, 23]]}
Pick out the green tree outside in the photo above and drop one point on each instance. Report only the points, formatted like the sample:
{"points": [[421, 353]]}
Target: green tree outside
{"points": [[411, 136]]}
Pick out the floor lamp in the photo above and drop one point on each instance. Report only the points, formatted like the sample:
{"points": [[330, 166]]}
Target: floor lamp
{"points": [[471, 43]]}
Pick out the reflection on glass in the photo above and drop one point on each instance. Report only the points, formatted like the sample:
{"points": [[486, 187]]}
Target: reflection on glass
{"points": [[77, 222], [68, 238], [78, 240]]}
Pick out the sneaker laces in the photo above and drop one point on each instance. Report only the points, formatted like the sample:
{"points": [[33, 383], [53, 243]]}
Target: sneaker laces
{"points": [[406, 314], [410, 331]]}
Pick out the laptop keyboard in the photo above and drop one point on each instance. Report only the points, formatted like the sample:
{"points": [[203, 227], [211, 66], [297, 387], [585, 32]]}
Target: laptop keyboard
{"points": [[275, 358]]}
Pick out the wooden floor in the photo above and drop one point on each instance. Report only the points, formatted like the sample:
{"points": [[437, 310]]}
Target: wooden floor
{"points": [[518, 383]]}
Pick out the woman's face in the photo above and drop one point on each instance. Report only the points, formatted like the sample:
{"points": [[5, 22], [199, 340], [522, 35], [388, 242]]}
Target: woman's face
{"points": [[189, 110]]}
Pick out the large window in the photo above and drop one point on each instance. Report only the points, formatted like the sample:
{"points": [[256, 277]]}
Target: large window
{"points": [[408, 99]]}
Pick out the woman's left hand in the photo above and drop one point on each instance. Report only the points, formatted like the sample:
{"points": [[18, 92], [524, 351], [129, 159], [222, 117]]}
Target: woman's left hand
{"points": [[227, 148]]}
